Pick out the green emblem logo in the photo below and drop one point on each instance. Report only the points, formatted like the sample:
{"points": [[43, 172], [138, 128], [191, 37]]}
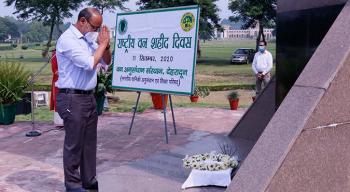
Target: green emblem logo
{"points": [[187, 22], [122, 27]]}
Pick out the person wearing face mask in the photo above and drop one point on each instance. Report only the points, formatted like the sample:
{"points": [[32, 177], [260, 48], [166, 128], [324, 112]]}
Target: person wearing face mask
{"points": [[262, 65], [79, 50]]}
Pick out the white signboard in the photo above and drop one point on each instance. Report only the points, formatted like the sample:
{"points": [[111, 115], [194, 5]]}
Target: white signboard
{"points": [[155, 50]]}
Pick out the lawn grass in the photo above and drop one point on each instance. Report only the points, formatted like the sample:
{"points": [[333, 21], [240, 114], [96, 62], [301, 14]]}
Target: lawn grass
{"points": [[213, 68], [42, 113], [127, 100]]}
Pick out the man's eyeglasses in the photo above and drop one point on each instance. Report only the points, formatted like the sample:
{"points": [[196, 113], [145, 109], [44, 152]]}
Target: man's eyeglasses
{"points": [[95, 28]]}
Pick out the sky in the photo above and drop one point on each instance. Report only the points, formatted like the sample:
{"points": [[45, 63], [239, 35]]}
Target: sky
{"points": [[109, 18]]}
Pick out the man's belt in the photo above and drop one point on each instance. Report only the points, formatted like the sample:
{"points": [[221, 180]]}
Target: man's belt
{"points": [[76, 91]]}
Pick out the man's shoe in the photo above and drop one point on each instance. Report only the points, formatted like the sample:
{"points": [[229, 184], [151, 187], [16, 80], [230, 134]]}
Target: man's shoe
{"points": [[76, 190], [92, 186]]}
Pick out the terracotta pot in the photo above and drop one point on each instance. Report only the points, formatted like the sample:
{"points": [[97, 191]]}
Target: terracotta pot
{"points": [[234, 104], [194, 98], [157, 100]]}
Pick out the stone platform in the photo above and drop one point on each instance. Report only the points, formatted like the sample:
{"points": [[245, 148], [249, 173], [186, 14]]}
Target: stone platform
{"points": [[140, 162]]}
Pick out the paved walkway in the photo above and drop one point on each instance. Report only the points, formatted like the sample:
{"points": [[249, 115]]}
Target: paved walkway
{"points": [[140, 162]]}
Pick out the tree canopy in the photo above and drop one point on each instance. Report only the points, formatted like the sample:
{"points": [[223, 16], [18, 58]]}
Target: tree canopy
{"points": [[209, 18], [253, 12], [109, 5], [7, 28], [51, 13]]}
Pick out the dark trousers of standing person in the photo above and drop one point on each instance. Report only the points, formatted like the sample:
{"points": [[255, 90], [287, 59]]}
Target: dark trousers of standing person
{"points": [[261, 83], [79, 115]]}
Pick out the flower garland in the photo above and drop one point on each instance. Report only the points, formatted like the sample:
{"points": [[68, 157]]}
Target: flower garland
{"points": [[210, 162]]}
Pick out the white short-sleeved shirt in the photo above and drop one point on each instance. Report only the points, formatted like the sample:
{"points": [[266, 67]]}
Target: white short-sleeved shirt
{"points": [[75, 59]]}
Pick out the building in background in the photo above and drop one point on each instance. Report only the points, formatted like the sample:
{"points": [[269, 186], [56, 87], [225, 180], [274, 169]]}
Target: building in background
{"points": [[235, 31]]}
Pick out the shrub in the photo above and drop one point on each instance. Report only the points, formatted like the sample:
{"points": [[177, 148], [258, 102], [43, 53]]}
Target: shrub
{"points": [[24, 47], [4, 48], [13, 81], [201, 92], [233, 95]]}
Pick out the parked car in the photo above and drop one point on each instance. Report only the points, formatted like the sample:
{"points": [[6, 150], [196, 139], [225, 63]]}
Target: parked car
{"points": [[243, 55]]}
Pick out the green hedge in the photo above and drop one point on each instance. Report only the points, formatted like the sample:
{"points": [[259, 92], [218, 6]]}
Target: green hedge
{"points": [[5, 48], [45, 87], [228, 87]]}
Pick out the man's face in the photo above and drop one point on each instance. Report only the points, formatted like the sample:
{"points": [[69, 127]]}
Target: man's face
{"points": [[262, 47], [91, 25]]}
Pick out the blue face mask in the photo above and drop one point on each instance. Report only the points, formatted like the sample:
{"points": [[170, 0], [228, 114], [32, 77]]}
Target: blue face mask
{"points": [[261, 49]]}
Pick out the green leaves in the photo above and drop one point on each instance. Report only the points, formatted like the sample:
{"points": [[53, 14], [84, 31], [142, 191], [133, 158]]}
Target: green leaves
{"points": [[104, 82], [233, 95], [109, 5], [51, 13], [209, 18], [13, 81], [250, 11], [201, 92]]}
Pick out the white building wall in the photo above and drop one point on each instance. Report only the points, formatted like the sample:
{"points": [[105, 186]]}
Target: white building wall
{"points": [[251, 33]]}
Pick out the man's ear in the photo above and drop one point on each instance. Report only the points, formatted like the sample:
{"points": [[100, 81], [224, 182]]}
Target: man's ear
{"points": [[82, 20]]}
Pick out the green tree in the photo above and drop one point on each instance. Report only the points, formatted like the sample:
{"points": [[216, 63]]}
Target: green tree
{"points": [[8, 27], [37, 32], [51, 13], [209, 18], [254, 12], [21, 25], [109, 5]]}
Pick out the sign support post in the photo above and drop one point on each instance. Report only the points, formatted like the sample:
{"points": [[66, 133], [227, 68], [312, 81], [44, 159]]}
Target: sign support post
{"points": [[164, 112]]}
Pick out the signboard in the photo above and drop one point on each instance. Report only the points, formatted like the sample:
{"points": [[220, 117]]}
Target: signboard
{"points": [[155, 50]]}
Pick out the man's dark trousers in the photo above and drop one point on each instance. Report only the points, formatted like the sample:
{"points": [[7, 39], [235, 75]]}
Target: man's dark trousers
{"points": [[79, 115]]}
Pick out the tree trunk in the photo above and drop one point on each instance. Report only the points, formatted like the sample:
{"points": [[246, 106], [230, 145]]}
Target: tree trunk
{"points": [[59, 30], [58, 27], [260, 34], [261, 29], [48, 45]]}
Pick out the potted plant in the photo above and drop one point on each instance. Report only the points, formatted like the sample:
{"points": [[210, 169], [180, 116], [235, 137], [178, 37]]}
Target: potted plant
{"points": [[199, 92], [13, 81], [103, 86], [157, 100], [233, 98]]}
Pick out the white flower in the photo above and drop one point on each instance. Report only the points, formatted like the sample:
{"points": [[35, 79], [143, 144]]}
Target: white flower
{"points": [[195, 166], [211, 167], [211, 162]]}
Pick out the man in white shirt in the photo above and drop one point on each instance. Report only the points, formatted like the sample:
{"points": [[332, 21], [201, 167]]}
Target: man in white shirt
{"points": [[77, 58], [262, 65]]}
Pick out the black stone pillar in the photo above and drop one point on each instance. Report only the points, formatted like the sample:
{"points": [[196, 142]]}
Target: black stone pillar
{"points": [[301, 26]]}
